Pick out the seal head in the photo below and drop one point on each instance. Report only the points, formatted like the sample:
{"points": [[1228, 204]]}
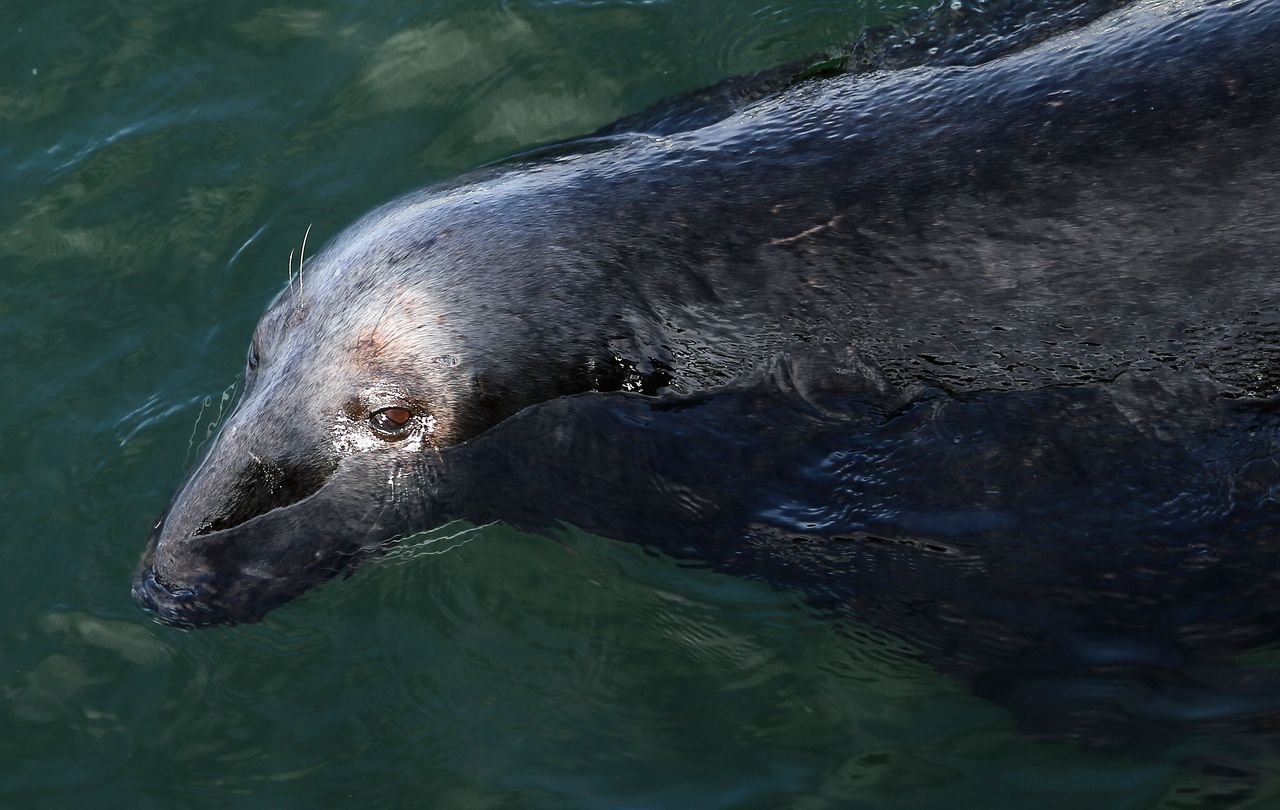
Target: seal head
{"points": [[357, 376]]}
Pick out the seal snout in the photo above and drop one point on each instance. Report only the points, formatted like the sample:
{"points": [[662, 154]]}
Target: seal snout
{"points": [[255, 489]]}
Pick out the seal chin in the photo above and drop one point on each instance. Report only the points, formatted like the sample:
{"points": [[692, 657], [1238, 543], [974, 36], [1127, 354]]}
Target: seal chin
{"points": [[198, 604]]}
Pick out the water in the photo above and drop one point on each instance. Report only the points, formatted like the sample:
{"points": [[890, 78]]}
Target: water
{"points": [[159, 162]]}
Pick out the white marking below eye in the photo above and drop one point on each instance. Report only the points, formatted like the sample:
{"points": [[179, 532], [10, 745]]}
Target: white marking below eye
{"points": [[350, 439], [354, 437]]}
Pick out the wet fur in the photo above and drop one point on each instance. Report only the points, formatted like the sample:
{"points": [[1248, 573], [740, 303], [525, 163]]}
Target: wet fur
{"points": [[1103, 202]]}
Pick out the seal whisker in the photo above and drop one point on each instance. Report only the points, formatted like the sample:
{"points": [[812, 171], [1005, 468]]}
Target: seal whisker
{"points": [[405, 552], [301, 258]]}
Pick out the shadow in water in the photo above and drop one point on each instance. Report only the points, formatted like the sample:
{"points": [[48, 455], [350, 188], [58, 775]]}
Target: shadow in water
{"points": [[1097, 558]]}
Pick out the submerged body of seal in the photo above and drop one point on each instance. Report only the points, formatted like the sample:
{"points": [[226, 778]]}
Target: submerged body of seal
{"points": [[1108, 200]]}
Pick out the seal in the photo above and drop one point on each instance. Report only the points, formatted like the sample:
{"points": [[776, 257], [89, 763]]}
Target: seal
{"points": [[1099, 202]]}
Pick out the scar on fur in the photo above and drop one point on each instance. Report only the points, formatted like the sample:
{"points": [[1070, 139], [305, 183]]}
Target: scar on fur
{"points": [[371, 347], [831, 223]]}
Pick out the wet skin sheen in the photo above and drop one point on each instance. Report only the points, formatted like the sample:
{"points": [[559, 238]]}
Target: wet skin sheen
{"points": [[760, 303]]}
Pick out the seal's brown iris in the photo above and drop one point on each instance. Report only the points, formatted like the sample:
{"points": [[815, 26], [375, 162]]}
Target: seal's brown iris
{"points": [[391, 423]]}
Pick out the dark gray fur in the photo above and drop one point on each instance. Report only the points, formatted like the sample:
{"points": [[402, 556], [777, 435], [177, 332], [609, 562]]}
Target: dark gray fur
{"points": [[1103, 201]]}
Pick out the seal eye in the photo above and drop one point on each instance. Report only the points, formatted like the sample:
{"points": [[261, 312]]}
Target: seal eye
{"points": [[392, 423]]}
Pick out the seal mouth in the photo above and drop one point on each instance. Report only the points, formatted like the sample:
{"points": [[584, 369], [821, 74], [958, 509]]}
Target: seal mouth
{"points": [[197, 605], [177, 606]]}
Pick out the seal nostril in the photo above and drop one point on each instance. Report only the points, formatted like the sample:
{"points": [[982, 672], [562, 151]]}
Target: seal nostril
{"points": [[177, 607], [156, 585], [142, 594]]}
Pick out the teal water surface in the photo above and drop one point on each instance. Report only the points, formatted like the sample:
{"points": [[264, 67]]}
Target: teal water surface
{"points": [[159, 162]]}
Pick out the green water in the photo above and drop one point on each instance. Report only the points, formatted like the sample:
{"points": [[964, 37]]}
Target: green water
{"points": [[159, 161]]}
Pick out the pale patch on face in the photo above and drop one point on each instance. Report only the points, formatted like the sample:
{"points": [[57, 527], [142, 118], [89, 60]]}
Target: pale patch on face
{"points": [[397, 358]]}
